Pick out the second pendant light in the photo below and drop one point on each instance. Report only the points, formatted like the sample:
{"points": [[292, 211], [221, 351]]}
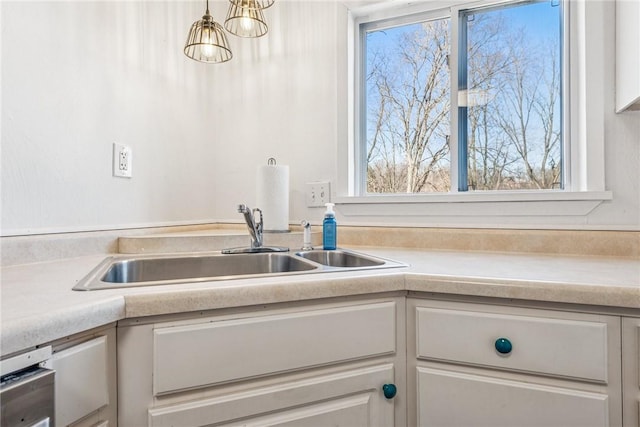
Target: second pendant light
{"points": [[245, 19]]}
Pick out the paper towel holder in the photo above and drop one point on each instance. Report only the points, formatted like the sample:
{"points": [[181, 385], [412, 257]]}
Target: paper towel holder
{"points": [[273, 196]]}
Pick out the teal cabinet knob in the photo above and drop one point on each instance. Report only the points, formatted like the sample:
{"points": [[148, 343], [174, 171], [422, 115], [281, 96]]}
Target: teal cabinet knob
{"points": [[503, 346], [389, 390]]}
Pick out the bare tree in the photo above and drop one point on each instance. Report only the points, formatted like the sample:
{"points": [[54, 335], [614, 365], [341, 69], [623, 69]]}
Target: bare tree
{"points": [[513, 118], [529, 118], [409, 137]]}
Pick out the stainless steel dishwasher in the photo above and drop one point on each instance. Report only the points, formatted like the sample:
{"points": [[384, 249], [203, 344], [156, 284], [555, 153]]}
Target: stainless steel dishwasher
{"points": [[27, 390]]}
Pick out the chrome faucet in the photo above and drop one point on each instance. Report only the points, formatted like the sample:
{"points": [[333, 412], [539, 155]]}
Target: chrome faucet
{"points": [[253, 218], [255, 227]]}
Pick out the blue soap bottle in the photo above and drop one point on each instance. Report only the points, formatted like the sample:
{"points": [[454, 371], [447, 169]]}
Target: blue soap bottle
{"points": [[329, 228]]}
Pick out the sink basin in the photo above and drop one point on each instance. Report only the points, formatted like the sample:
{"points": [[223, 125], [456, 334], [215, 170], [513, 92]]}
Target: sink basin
{"points": [[146, 270], [340, 258], [160, 270], [150, 270]]}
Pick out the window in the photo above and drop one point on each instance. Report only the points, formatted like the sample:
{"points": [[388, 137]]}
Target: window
{"points": [[479, 178], [499, 126]]}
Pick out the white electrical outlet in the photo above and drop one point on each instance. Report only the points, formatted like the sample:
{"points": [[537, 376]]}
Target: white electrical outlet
{"points": [[318, 193], [122, 160]]}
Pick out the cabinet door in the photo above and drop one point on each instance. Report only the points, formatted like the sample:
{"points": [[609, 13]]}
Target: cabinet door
{"points": [[631, 371], [350, 398], [450, 398], [266, 363], [627, 55], [84, 382]]}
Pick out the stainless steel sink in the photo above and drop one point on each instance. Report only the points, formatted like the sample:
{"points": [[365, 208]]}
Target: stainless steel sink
{"points": [[341, 258], [146, 270]]}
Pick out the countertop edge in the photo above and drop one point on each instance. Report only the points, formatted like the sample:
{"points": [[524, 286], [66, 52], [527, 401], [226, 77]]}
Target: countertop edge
{"points": [[77, 313], [28, 332], [552, 292]]}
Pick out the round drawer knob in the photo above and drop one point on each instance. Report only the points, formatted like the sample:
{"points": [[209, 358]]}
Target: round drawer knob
{"points": [[503, 346], [389, 390]]}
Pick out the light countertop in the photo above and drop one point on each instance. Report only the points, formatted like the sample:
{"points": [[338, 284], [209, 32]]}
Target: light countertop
{"points": [[38, 304]]}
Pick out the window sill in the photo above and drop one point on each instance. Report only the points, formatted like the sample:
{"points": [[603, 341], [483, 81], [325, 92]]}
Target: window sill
{"points": [[487, 203]]}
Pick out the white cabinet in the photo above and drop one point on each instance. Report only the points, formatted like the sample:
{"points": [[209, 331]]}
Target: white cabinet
{"points": [[627, 55], [453, 363], [631, 371], [475, 364], [305, 365], [85, 374]]}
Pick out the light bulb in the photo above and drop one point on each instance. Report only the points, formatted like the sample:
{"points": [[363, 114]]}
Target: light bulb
{"points": [[207, 50], [246, 22], [207, 47]]}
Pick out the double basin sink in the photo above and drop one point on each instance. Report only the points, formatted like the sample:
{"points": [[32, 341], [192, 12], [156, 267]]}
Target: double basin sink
{"points": [[146, 270]]}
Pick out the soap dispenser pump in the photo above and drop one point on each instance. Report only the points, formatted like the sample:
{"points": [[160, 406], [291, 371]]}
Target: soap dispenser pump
{"points": [[329, 228]]}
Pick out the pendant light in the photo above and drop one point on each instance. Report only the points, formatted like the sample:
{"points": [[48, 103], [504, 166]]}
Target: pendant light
{"points": [[258, 4], [207, 42], [245, 19]]}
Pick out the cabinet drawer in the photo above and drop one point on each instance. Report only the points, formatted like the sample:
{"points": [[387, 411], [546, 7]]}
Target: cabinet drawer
{"points": [[193, 356], [568, 348]]}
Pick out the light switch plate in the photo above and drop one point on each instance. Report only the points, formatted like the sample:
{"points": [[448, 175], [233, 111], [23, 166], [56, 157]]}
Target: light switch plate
{"points": [[318, 193]]}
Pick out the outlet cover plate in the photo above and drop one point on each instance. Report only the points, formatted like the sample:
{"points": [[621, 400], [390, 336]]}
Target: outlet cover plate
{"points": [[122, 160]]}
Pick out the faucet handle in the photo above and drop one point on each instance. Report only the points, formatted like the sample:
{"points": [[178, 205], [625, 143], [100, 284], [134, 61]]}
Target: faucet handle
{"points": [[242, 208]]}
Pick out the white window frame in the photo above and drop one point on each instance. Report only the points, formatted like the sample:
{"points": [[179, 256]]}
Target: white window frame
{"points": [[584, 187]]}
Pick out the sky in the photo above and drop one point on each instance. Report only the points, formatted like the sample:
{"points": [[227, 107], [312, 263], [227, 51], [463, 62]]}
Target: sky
{"points": [[539, 20]]}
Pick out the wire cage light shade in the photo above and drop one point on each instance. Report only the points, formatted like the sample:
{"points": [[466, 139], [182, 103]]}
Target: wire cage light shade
{"points": [[207, 42], [245, 21], [253, 4]]}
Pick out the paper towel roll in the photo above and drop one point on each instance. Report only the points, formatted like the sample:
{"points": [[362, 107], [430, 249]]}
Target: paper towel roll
{"points": [[273, 196]]}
